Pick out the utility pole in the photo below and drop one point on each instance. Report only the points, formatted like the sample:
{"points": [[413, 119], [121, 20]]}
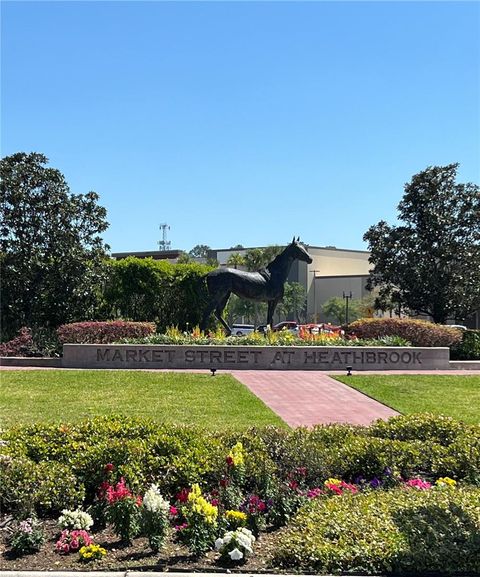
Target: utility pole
{"points": [[314, 295], [347, 298]]}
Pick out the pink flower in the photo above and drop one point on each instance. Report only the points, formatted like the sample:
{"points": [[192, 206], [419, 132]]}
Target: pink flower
{"points": [[293, 485], [314, 493], [180, 527], [74, 544], [419, 484], [214, 502], [173, 510]]}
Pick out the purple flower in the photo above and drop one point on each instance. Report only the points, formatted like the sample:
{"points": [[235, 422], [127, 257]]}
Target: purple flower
{"points": [[375, 483], [387, 472]]}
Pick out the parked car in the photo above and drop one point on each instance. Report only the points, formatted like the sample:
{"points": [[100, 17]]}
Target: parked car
{"points": [[291, 326], [239, 330]]}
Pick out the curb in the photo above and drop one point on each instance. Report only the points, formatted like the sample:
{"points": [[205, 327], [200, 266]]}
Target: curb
{"points": [[147, 574]]}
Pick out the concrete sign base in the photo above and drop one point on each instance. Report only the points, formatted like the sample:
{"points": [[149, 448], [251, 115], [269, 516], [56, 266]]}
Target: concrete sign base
{"points": [[254, 357]]}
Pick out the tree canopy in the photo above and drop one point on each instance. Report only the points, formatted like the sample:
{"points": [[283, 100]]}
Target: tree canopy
{"points": [[430, 263], [51, 251]]}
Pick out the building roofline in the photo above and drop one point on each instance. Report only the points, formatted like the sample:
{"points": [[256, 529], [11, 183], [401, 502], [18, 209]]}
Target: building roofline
{"points": [[332, 248], [342, 276]]}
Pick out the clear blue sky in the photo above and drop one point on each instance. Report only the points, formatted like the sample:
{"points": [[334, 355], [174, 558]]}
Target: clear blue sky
{"points": [[242, 122]]}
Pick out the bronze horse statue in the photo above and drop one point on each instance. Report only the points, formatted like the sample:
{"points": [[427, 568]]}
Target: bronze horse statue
{"points": [[265, 285]]}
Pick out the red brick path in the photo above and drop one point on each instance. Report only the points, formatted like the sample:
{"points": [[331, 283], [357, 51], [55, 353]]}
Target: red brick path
{"points": [[305, 398]]}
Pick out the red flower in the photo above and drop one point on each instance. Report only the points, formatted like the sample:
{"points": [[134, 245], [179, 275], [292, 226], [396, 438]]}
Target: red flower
{"points": [[214, 502], [173, 510], [109, 467], [293, 485], [229, 461], [183, 496], [224, 483]]}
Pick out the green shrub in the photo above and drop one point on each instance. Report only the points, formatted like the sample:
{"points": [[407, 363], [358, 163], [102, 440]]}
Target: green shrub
{"points": [[419, 333], [421, 427], [402, 530], [45, 488], [469, 348], [46, 467]]}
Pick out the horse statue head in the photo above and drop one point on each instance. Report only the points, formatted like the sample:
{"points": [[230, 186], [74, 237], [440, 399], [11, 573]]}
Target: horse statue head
{"points": [[297, 251]]}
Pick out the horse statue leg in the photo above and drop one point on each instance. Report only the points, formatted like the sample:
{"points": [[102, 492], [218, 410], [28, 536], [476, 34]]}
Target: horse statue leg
{"points": [[271, 309], [219, 310]]}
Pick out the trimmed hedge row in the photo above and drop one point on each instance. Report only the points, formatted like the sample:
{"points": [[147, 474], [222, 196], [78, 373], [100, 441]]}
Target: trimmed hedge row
{"points": [[71, 458], [399, 531], [419, 333], [95, 332]]}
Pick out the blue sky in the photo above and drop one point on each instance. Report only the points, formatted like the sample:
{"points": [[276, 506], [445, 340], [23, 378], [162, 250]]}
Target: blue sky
{"points": [[242, 122]]}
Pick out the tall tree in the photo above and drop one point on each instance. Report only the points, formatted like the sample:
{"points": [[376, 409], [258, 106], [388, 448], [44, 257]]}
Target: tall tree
{"points": [[431, 263], [236, 260], [51, 251], [200, 251], [294, 300]]}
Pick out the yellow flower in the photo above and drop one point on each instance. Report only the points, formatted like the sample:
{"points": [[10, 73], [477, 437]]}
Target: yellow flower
{"points": [[333, 481], [445, 481], [236, 516], [237, 454]]}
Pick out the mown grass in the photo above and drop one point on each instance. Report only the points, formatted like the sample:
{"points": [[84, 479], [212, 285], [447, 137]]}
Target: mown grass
{"points": [[456, 396], [218, 402]]}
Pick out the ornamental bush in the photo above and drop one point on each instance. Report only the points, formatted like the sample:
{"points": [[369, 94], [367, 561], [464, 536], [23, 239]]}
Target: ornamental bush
{"points": [[404, 530], [103, 332], [469, 348], [419, 333], [47, 468]]}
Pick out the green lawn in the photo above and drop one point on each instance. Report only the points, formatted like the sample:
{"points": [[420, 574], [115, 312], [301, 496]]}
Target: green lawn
{"points": [[218, 402], [457, 396]]}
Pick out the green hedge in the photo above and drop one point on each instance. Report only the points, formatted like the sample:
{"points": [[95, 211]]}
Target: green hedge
{"points": [[469, 348], [399, 531], [150, 290], [177, 456], [419, 333]]}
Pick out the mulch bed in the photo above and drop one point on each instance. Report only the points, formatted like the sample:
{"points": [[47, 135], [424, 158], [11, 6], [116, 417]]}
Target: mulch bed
{"points": [[138, 556]]}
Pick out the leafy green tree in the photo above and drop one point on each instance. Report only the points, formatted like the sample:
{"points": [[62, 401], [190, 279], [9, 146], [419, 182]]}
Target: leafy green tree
{"points": [[294, 301], [200, 251], [184, 258], [51, 251], [335, 309], [254, 259], [236, 260], [431, 263]]}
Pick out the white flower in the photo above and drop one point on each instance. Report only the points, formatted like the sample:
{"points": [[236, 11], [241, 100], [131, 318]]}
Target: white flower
{"points": [[227, 538], [75, 520], [154, 502], [218, 543], [236, 555]]}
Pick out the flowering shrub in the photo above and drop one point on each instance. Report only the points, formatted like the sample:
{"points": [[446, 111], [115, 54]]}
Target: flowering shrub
{"points": [[419, 333], [91, 552], [338, 487], [19, 346], [75, 520], [445, 482], [123, 511], [469, 348], [155, 517], [235, 545], [200, 526], [256, 509], [418, 484], [235, 519], [27, 537], [103, 332], [72, 540]]}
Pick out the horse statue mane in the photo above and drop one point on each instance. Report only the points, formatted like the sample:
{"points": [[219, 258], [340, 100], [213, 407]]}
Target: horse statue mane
{"points": [[264, 285]]}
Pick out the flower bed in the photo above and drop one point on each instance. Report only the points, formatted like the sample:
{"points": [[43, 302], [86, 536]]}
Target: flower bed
{"points": [[153, 491]]}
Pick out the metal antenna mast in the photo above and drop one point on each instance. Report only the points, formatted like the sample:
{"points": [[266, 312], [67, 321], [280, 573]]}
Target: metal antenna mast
{"points": [[164, 244]]}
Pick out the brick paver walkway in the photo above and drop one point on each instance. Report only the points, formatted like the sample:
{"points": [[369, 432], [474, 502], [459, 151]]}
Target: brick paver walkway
{"points": [[305, 398]]}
